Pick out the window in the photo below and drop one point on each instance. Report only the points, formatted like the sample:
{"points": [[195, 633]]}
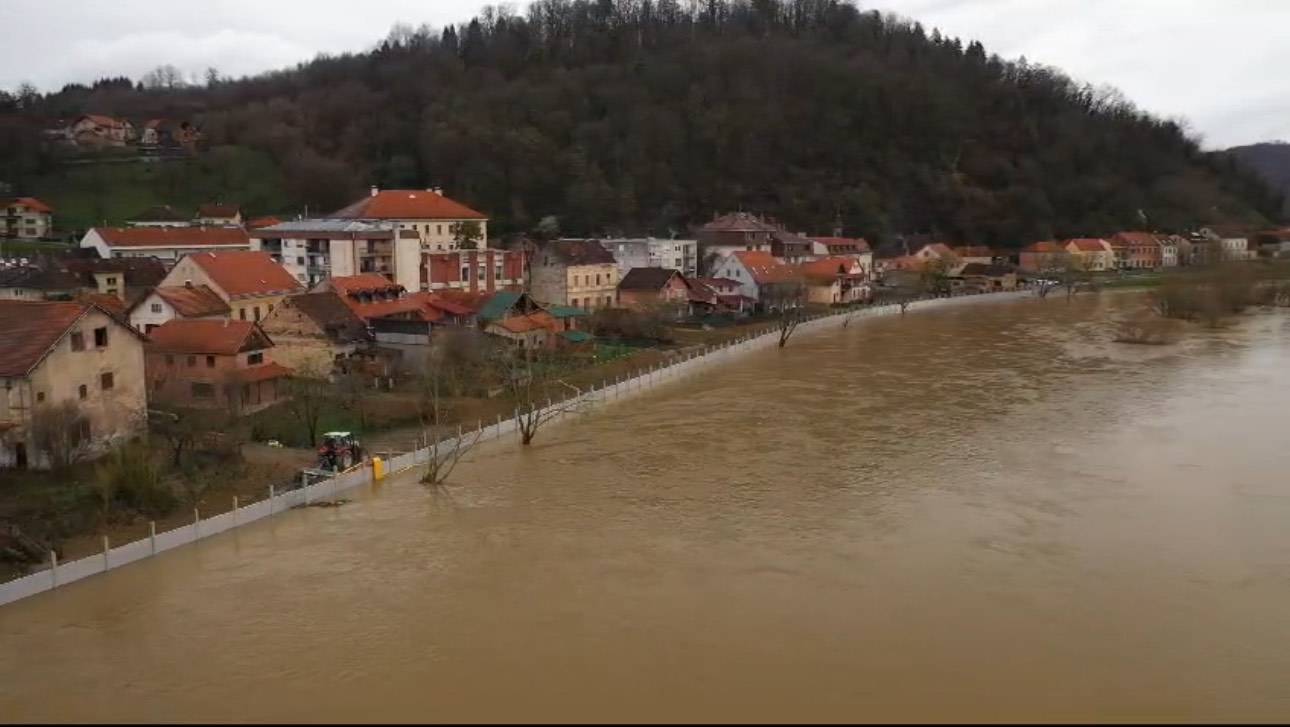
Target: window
{"points": [[438, 229], [78, 341], [241, 313], [573, 302], [105, 381], [111, 281], [192, 361], [82, 391], [300, 260], [210, 362], [203, 391], [100, 337], [40, 396], [597, 278], [254, 358], [465, 272], [257, 313]]}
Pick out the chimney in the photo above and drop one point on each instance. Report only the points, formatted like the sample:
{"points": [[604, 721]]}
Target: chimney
{"points": [[188, 282], [438, 191], [375, 189]]}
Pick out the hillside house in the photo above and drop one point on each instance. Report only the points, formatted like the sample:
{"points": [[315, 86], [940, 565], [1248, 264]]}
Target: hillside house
{"points": [[214, 364], [26, 218], [763, 278], [96, 130], [835, 280], [162, 215], [219, 214], [71, 382]]}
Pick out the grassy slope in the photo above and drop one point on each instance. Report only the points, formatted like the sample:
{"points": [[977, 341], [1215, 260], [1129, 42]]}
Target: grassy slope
{"points": [[86, 195]]}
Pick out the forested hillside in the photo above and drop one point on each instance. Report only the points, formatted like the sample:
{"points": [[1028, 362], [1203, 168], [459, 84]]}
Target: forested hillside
{"points": [[1271, 161], [649, 115]]}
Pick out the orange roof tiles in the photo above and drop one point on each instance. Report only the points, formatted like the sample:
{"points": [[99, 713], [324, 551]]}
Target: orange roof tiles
{"points": [[173, 236], [246, 273], [193, 302], [408, 204], [224, 337], [1046, 246], [844, 244], [363, 283], [263, 372], [30, 203], [764, 267], [1089, 244], [218, 209], [29, 329], [829, 268]]}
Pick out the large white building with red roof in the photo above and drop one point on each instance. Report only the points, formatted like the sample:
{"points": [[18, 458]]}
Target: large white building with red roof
{"points": [[435, 219], [167, 243]]}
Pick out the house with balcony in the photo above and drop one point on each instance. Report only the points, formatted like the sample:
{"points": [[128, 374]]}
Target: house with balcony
{"points": [[835, 280], [650, 252], [26, 218], [313, 250], [71, 382], [214, 364]]}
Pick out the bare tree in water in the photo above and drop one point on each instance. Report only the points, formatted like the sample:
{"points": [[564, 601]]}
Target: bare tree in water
{"points": [[787, 298], [438, 377], [530, 376]]}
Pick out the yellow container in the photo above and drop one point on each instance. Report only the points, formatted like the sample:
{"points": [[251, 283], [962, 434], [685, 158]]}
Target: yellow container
{"points": [[378, 469]]}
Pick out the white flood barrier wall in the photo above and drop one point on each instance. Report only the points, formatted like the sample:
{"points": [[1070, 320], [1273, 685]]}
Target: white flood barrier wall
{"points": [[58, 574]]}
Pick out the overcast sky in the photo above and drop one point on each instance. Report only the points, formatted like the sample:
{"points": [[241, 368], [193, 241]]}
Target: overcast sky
{"points": [[1224, 65]]}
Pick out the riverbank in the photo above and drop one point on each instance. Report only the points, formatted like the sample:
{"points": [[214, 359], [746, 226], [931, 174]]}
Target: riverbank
{"points": [[246, 509]]}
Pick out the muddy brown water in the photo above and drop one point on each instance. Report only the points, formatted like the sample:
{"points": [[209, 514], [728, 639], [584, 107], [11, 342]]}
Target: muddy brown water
{"points": [[984, 513]]}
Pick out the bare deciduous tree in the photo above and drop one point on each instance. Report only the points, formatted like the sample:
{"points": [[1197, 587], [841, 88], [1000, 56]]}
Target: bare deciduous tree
{"points": [[310, 391], [529, 376], [59, 430]]}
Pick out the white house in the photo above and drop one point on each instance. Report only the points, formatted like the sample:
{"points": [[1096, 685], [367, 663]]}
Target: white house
{"points": [[26, 218], [169, 302], [754, 270], [167, 243]]}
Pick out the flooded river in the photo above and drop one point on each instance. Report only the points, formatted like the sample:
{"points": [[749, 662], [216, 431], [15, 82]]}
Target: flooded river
{"points": [[982, 513]]}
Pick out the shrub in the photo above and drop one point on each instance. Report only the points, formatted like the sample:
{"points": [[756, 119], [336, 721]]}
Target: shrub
{"points": [[128, 478]]}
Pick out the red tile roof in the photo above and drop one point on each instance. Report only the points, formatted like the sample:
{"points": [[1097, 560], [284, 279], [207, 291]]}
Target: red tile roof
{"points": [[30, 203], [246, 273], [530, 322], [104, 120], [29, 329], [224, 337], [363, 283], [110, 303], [173, 236], [408, 204], [259, 222], [263, 372], [940, 248], [764, 267], [739, 222], [1046, 246], [1089, 244], [1134, 238], [194, 302], [828, 269]]}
